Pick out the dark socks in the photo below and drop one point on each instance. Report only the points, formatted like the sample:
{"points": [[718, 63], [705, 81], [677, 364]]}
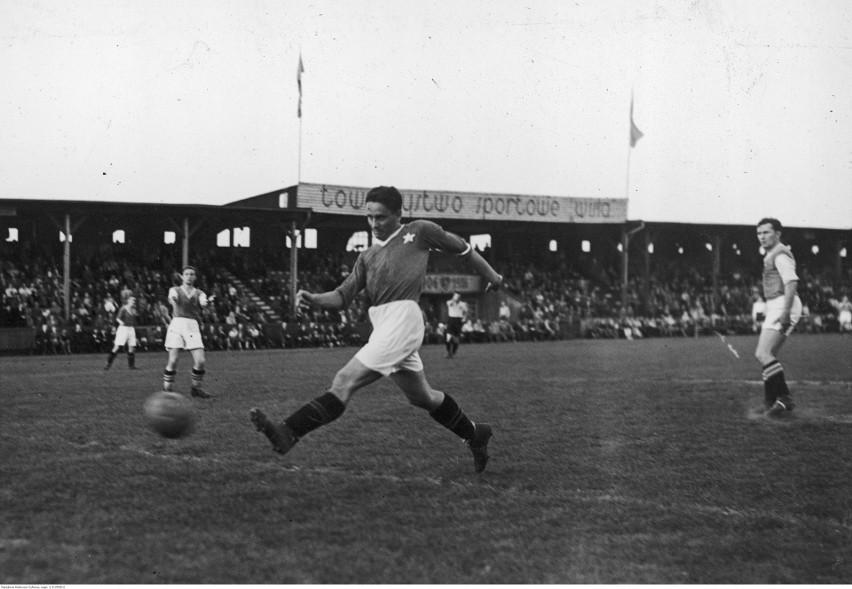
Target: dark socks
{"points": [[321, 411], [774, 383], [450, 415]]}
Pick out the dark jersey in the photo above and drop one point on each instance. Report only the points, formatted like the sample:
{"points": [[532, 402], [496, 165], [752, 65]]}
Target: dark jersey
{"points": [[127, 316], [186, 305], [393, 270]]}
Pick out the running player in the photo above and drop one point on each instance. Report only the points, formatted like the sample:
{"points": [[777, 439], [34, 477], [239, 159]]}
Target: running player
{"points": [[184, 332], [391, 271], [783, 310], [125, 334]]}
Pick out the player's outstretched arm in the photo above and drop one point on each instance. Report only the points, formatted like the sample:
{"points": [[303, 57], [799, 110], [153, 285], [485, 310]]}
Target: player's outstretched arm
{"points": [[481, 266], [326, 300], [204, 300]]}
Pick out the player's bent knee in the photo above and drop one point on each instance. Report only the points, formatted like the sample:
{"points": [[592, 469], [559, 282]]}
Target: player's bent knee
{"points": [[342, 387], [341, 391], [421, 402], [428, 399]]}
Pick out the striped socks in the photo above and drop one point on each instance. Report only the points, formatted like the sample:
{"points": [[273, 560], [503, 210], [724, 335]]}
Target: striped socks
{"points": [[169, 379], [774, 384], [197, 377]]}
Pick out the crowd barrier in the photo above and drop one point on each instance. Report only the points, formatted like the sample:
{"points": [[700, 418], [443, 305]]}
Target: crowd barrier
{"points": [[16, 339], [22, 340]]}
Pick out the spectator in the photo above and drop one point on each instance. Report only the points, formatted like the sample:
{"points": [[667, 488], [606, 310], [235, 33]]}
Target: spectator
{"points": [[110, 306], [505, 313]]}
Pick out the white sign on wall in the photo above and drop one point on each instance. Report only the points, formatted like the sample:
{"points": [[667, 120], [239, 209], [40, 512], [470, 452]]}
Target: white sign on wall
{"points": [[424, 204]]}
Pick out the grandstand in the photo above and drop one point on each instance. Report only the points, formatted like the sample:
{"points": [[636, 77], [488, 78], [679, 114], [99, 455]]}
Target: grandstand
{"points": [[573, 268]]}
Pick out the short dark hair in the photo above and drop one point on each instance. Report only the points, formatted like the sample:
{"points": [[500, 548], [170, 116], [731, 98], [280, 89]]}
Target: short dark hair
{"points": [[386, 195], [776, 224]]}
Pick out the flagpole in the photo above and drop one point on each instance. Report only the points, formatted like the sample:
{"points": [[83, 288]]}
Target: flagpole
{"points": [[629, 148], [627, 181], [294, 264], [635, 136], [299, 164], [299, 69]]}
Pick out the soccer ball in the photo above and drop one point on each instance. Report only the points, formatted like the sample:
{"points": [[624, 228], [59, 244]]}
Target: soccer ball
{"points": [[169, 414]]}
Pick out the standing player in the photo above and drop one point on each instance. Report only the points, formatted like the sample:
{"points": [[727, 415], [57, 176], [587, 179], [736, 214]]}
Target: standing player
{"points": [[457, 312], [783, 310], [184, 332], [125, 334], [844, 315], [391, 271]]}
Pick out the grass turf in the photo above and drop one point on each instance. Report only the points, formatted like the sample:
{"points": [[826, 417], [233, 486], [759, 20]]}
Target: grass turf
{"points": [[612, 462]]}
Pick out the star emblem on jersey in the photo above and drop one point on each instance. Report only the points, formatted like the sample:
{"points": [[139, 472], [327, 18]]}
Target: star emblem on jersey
{"points": [[408, 238]]}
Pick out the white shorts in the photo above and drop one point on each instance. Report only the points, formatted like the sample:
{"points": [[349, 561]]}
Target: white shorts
{"points": [[774, 308], [184, 333], [845, 317], [125, 334], [397, 336]]}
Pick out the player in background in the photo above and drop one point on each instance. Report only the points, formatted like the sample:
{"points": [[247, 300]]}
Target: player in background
{"points": [[184, 332], [457, 313], [758, 312], [844, 315], [783, 310], [125, 334], [391, 271]]}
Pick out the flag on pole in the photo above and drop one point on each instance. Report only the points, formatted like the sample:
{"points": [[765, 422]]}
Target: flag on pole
{"points": [[635, 133], [299, 71]]}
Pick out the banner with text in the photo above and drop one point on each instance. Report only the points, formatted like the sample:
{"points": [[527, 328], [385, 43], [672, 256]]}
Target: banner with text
{"points": [[423, 204], [450, 283]]}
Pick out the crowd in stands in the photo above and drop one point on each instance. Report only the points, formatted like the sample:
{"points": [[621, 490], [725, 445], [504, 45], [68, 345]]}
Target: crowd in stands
{"points": [[678, 301], [544, 302]]}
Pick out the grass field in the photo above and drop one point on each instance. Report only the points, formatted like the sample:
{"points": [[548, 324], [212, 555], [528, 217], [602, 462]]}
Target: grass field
{"points": [[612, 462]]}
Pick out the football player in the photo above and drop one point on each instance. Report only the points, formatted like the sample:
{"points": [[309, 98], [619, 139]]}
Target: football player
{"points": [[184, 332], [391, 272], [125, 334], [783, 310]]}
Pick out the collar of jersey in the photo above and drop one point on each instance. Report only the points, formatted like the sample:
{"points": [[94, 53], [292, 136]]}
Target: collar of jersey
{"points": [[392, 235]]}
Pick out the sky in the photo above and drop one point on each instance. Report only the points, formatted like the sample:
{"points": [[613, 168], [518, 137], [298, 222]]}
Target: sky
{"points": [[745, 107]]}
